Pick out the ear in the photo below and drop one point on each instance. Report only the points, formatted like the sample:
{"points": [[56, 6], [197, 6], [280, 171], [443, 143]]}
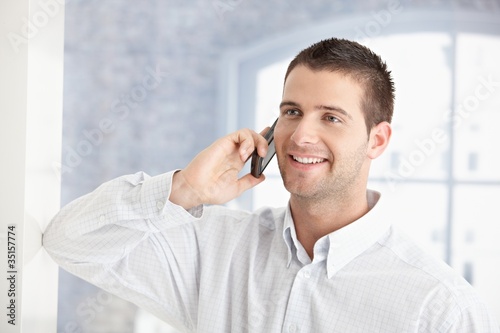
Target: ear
{"points": [[379, 139]]}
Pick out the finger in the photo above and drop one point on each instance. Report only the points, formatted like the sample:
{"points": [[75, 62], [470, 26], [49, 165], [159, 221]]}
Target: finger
{"points": [[243, 139], [248, 140], [262, 144], [264, 131]]}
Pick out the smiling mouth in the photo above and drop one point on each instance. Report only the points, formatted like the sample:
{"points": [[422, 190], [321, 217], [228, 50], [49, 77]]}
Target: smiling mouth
{"points": [[308, 160]]}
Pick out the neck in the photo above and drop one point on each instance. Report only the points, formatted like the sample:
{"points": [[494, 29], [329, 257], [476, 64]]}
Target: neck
{"points": [[314, 218]]}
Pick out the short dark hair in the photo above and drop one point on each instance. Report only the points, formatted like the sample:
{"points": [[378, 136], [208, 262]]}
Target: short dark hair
{"points": [[359, 63]]}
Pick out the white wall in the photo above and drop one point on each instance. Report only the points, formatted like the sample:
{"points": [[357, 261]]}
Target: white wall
{"points": [[31, 67]]}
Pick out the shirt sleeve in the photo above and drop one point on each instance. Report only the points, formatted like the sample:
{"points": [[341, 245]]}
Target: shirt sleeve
{"points": [[455, 307], [127, 238], [474, 319]]}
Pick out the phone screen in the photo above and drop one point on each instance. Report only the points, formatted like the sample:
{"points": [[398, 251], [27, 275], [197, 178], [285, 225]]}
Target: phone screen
{"points": [[259, 164]]}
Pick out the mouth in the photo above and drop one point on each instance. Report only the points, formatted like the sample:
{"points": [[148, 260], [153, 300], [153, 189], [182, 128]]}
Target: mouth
{"points": [[307, 160]]}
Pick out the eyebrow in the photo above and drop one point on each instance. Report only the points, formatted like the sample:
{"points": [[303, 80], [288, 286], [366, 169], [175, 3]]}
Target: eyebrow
{"points": [[318, 107]]}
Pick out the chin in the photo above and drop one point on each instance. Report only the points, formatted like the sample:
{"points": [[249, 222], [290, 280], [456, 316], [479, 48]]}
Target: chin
{"points": [[299, 189]]}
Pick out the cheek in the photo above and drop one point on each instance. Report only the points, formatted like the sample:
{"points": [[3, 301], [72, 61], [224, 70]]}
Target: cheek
{"points": [[280, 136], [278, 144], [345, 148]]}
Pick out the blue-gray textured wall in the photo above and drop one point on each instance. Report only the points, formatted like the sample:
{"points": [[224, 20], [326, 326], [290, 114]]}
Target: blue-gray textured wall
{"points": [[112, 47]]}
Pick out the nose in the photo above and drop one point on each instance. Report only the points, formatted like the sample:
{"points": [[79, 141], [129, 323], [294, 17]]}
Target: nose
{"points": [[305, 132]]}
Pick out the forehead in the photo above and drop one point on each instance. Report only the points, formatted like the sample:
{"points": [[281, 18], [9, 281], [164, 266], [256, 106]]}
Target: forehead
{"points": [[309, 88]]}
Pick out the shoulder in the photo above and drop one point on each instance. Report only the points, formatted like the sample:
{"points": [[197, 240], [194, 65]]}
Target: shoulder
{"points": [[421, 265], [447, 301], [267, 217], [227, 233]]}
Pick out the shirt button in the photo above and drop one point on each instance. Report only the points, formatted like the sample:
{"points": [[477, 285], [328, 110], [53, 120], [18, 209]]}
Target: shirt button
{"points": [[160, 205], [292, 328], [307, 274], [102, 218]]}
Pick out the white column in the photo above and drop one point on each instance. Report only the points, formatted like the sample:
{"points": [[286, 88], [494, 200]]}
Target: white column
{"points": [[31, 81]]}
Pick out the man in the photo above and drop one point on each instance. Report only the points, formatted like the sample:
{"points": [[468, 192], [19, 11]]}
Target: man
{"points": [[329, 262]]}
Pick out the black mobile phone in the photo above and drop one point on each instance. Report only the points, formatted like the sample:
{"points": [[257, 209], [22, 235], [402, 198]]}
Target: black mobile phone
{"points": [[258, 163]]}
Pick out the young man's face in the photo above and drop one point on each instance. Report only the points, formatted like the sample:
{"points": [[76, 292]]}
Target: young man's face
{"points": [[321, 139]]}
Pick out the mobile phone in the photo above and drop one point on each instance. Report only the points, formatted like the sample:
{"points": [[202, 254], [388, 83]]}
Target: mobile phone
{"points": [[259, 164]]}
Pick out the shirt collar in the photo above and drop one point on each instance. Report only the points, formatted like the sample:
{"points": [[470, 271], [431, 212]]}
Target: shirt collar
{"points": [[345, 244]]}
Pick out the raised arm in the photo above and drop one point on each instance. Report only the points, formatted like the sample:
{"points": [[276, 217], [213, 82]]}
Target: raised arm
{"points": [[135, 236]]}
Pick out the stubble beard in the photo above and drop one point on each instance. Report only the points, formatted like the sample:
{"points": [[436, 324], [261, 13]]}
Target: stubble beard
{"points": [[337, 185]]}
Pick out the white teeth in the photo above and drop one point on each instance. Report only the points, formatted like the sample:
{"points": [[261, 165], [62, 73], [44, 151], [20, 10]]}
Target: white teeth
{"points": [[308, 160]]}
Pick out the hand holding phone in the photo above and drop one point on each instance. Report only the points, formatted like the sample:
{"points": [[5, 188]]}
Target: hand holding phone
{"points": [[259, 164]]}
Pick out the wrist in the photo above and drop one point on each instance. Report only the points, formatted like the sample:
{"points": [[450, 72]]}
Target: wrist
{"points": [[182, 193]]}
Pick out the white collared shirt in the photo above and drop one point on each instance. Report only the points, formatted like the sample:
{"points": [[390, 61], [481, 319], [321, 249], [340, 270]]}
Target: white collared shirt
{"points": [[213, 269]]}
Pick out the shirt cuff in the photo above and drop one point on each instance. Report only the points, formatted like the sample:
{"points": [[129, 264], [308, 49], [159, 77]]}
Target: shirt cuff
{"points": [[159, 209]]}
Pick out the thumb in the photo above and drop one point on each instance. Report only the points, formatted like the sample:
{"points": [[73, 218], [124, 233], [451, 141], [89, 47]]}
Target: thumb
{"points": [[248, 181]]}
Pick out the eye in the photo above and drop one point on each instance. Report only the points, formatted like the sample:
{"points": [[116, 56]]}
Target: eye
{"points": [[332, 119], [292, 112]]}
